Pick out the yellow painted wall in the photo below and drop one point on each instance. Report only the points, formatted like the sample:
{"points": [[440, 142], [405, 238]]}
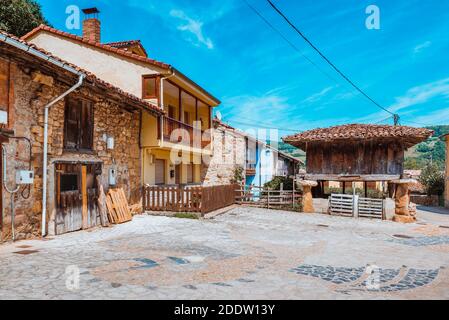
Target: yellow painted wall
{"points": [[149, 137], [149, 168]]}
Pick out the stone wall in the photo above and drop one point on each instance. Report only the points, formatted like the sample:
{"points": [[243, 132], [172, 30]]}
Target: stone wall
{"points": [[27, 120], [424, 200], [229, 153]]}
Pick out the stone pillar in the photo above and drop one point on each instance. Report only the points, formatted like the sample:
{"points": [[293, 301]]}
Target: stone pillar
{"points": [[402, 201], [307, 198]]}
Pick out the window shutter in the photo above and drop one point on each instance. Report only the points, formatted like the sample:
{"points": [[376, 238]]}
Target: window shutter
{"points": [[86, 128], [72, 119]]}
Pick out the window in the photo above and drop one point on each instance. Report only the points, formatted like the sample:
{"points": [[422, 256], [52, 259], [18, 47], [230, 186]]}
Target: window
{"points": [[150, 87], [78, 125]]}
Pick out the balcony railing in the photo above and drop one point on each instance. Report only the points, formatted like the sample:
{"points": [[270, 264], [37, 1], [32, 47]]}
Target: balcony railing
{"points": [[251, 169], [175, 131]]}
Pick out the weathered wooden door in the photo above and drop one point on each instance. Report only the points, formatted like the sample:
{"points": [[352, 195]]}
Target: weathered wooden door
{"points": [[76, 197]]}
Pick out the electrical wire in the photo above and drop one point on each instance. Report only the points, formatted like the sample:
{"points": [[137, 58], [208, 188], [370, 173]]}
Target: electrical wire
{"points": [[269, 24], [396, 117]]}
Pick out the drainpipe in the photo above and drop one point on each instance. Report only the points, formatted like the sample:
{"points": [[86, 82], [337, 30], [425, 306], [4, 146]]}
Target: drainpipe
{"points": [[27, 48], [45, 163]]}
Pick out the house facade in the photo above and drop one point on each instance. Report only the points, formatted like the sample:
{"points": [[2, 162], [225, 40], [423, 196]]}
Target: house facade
{"points": [[260, 162], [174, 143], [93, 135]]}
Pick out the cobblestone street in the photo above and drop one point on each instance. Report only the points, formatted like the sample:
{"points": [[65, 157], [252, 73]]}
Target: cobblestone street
{"points": [[247, 253]]}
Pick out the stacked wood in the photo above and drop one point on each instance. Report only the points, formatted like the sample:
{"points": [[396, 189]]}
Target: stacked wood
{"points": [[118, 208]]}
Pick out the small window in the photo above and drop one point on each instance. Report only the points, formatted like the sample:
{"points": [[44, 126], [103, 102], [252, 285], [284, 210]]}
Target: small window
{"points": [[150, 87]]}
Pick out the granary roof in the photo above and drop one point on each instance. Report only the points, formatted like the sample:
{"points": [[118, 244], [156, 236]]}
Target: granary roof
{"points": [[356, 132]]}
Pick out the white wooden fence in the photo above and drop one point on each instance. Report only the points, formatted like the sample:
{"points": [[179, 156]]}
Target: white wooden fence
{"points": [[355, 206]]}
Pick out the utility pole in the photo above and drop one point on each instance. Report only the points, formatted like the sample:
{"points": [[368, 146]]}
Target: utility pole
{"points": [[396, 119]]}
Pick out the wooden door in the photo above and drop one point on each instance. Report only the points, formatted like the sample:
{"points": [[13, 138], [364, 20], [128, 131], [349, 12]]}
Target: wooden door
{"points": [[76, 197], [160, 172], [190, 173], [178, 174], [69, 216]]}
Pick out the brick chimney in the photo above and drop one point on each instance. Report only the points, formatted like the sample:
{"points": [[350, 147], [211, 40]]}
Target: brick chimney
{"points": [[92, 25]]}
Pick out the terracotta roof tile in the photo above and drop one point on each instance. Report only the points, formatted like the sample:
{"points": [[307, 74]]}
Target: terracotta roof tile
{"points": [[98, 45], [410, 135], [117, 51], [92, 77]]}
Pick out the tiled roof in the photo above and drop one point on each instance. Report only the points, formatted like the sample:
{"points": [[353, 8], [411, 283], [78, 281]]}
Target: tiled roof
{"points": [[91, 77], [410, 135], [118, 51], [96, 44], [125, 44]]}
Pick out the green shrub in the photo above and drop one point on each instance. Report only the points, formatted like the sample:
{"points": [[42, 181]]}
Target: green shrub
{"points": [[433, 179], [186, 216], [276, 183]]}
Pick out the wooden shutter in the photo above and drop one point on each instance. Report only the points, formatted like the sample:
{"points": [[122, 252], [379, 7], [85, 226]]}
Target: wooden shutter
{"points": [[78, 125], [4, 86], [190, 173], [71, 124], [160, 171], [86, 126]]}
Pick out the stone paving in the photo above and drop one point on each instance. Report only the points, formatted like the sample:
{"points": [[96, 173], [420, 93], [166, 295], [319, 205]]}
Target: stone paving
{"points": [[247, 253]]}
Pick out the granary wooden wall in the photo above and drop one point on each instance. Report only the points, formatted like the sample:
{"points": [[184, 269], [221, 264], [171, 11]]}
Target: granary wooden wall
{"points": [[356, 158]]}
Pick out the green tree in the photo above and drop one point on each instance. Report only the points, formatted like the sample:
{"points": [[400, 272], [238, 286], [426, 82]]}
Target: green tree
{"points": [[432, 178], [19, 17]]}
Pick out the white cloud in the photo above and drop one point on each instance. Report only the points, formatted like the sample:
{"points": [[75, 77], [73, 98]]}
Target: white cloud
{"points": [[194, 27], [414, 97], [422, 46], [318, 96], [437, 117], [422, 94]]}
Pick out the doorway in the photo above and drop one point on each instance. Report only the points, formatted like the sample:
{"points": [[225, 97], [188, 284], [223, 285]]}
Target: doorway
{"points": [[160, 172], [76, 197]]}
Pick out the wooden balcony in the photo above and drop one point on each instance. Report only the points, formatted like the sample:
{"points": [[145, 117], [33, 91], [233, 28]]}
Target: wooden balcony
{"points": [[250, 170], [178, 132]]}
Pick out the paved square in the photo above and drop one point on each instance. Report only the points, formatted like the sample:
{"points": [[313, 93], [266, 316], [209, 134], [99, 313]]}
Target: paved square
{"points": [[247, 253]]}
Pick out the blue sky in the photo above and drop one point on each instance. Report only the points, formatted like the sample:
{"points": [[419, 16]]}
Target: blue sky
{"points": [[263, 82]]}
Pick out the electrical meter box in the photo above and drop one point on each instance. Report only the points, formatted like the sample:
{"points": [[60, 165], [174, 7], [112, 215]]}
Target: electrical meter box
{"points": [[24, 177], [113, 177]]}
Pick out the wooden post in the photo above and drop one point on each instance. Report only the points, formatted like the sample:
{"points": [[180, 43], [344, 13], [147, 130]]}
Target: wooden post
{"points": [[402, 200], [84, 196], [307, 201], [268, 199]]}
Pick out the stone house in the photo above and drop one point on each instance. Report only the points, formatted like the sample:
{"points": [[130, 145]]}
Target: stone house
{"points": [[93, 132], [171, 150]]}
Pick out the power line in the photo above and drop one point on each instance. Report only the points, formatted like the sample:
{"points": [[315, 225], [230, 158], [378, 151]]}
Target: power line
{"points": [[261, 126], [396, 117], [289, 42], [384, 120]]}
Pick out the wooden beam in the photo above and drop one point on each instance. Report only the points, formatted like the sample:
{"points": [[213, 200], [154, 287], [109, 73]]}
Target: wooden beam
{"points": [[359, 178]]}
